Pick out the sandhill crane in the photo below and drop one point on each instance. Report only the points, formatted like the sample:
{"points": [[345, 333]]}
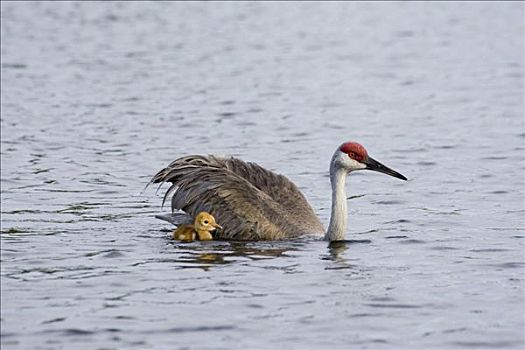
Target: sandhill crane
{"points": [[252, 203]]}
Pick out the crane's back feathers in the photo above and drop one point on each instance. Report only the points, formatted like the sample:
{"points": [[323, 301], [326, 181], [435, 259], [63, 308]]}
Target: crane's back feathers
{"points": [[250, 202]]}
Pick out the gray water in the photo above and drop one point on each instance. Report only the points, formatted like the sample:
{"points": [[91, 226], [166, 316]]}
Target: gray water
{"points": [[97, 97]]}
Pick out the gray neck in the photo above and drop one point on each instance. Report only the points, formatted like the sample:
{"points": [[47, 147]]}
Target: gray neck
{"points": [[338, 218]]}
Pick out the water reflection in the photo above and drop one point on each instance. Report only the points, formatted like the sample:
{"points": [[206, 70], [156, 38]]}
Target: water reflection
{"points": [[208, 254], [337, 248], [336, 253]]}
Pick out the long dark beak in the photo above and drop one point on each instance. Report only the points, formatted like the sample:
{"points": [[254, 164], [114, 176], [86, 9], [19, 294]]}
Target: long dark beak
{"points": [[372, 164]]}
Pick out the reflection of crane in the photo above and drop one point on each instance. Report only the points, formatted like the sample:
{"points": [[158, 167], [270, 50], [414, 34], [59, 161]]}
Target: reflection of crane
{"points": [[253, 203]]}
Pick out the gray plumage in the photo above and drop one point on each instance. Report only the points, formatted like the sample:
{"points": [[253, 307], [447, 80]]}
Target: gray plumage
{"points": [[250, 202]]}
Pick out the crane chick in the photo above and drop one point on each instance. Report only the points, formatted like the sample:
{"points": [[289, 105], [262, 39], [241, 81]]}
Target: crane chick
{"points": [[201, 229]]}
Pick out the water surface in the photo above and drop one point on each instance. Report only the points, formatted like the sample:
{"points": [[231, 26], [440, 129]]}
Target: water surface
{"points": [[97, 97]]}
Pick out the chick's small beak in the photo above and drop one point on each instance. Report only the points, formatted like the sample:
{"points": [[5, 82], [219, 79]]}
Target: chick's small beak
{"points": [[372, 164], [217, 226]]}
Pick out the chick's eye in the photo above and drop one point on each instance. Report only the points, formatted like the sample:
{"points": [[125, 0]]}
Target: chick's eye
{"points": [[206, 222]]}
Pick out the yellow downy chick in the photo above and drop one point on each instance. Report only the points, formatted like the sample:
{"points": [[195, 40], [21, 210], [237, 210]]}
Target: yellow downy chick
{"points": [[201, 229]]}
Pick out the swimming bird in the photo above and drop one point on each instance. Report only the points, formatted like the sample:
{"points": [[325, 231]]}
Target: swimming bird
{"points": [[253, 203], [201, 228]]}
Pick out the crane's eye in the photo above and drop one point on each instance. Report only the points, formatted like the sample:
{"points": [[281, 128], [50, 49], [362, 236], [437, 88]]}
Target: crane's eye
{"points": [[205, 222], [351, 154]]}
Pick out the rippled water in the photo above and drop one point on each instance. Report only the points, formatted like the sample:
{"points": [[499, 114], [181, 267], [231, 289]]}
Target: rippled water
{"points": [[97, 97]]}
